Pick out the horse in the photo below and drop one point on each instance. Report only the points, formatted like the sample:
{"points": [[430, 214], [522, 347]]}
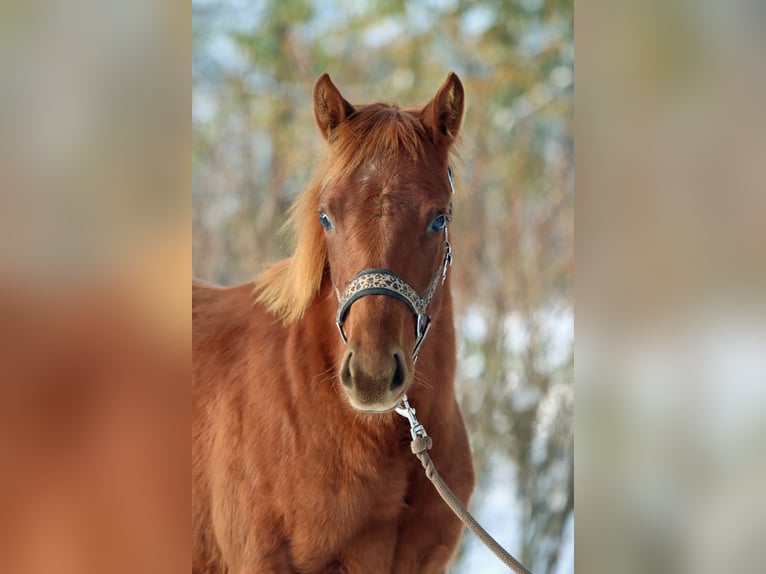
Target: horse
{"points": [[300, 463]]}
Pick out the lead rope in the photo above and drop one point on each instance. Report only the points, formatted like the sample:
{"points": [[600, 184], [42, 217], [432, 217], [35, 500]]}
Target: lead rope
{"points": [[420, 445]]}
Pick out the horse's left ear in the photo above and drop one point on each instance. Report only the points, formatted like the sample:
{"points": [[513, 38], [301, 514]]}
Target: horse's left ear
{"points": [[444, 113]]}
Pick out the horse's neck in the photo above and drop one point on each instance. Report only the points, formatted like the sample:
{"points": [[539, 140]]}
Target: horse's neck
{"points": [[314, 344]]}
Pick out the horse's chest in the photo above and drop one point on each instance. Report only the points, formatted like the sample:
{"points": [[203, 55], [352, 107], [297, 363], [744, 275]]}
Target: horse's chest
{"points": [[338, 501]]}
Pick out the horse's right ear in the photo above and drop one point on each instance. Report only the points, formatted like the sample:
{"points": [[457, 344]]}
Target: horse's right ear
{"points": [[330, 109]]}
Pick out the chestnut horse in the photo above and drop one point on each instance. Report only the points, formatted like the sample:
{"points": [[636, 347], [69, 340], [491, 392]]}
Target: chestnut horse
{"points": [[300, 464]]}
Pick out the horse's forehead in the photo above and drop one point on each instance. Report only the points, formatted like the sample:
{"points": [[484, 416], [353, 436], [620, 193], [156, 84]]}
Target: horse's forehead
{"points": [[395, 175]]}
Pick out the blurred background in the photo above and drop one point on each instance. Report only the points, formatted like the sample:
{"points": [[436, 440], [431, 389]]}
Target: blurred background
{"points": [[95, 258], [671, 277], [254, 143]]}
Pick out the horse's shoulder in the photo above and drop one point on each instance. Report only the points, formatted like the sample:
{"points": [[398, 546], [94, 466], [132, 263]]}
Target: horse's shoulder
{"points": [[218, 313]]}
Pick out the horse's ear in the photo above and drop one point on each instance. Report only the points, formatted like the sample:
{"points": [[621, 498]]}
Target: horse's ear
{"points": [[444, 113], [330, 109]]}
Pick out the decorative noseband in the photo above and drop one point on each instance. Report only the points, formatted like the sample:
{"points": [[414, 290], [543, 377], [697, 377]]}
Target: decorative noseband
{"points": [[386, 282]]}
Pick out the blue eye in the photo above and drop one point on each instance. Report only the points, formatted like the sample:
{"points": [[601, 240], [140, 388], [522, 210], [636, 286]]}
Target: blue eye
{"points": [[325, 221], [439, 223]]}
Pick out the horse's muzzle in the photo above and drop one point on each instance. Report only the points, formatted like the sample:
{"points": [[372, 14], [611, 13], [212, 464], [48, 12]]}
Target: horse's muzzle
{"points": [[374, 381]]}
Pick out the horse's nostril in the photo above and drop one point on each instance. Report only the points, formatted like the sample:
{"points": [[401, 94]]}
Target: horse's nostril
{"points": [[345, 371], [397, 380]]}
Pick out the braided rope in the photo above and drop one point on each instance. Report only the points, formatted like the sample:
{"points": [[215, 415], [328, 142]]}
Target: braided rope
{"points": [[420, 446]]}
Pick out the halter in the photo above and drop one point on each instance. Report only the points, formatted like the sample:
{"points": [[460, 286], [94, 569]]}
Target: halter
{"points": [[385, 282]]}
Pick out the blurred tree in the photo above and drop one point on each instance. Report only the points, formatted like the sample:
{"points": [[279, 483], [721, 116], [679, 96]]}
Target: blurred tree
{"points": [[255, 141]]}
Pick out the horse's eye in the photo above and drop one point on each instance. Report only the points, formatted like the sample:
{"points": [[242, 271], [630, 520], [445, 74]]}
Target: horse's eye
{"points": [[439, 223], [325, 221]]}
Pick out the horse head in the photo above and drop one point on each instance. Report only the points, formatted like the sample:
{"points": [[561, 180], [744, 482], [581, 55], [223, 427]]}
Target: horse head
{"points": [[384, 206]]}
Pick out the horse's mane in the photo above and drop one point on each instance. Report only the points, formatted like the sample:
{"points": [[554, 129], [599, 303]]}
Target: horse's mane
{"points": [[289, 286]]}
